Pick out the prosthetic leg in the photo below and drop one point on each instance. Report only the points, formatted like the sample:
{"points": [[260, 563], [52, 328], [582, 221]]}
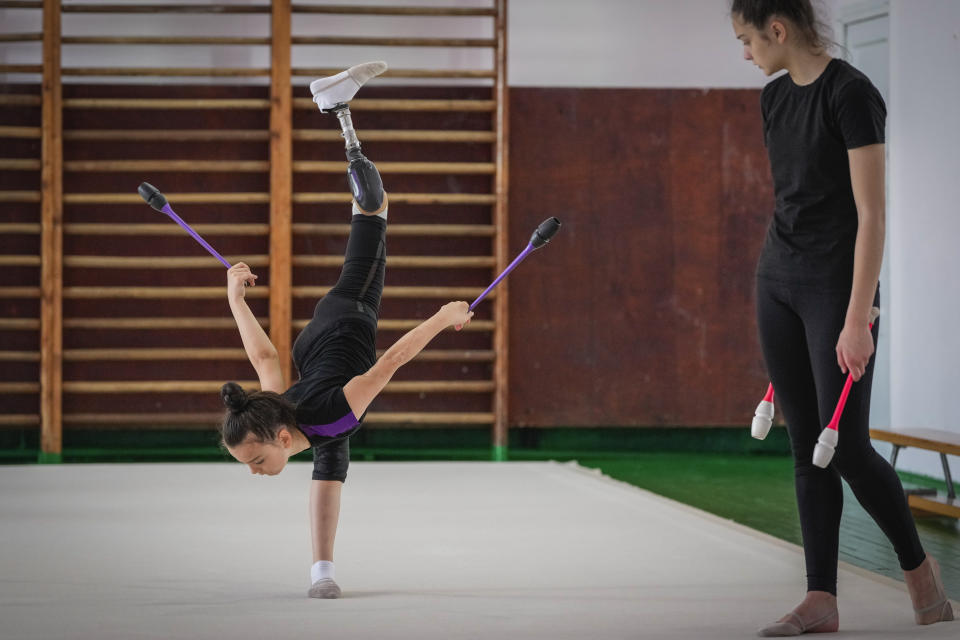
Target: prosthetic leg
{"points": [[332, 94]]}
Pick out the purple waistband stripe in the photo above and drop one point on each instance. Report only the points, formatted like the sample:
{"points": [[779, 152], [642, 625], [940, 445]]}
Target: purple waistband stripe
{"points": [[342, 425]]}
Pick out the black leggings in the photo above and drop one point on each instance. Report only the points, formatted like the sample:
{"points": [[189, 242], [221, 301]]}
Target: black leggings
{"points": [[357, 292], [799, 326], [358, 289], [364, 264]]}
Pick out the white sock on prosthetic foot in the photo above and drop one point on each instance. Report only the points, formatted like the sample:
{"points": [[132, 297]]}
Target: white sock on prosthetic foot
{"points": [[339, 89]]}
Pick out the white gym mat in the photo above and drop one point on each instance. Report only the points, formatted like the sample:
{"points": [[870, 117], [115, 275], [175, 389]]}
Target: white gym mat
{"points": [[425, 550]]}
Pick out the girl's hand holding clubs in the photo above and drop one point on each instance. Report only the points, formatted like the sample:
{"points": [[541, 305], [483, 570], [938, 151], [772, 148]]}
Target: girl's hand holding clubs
{"points": [[854, 348], [239, 277], [457, 314]]}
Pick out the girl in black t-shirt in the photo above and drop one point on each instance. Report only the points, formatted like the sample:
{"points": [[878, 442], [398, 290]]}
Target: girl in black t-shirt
{"points": [[823, 125], [335, 354]]}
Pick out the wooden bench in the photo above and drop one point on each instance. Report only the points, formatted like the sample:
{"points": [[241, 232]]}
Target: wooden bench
{"points": [[943, 442]]}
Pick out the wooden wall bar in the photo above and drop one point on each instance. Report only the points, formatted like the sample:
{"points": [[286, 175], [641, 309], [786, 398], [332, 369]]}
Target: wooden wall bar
{"points": [[51, 253], [501, 344], [281, 183]]}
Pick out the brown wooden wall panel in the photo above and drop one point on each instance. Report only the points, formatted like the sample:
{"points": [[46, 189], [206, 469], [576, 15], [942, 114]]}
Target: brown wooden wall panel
{"points": [[641, 311]]}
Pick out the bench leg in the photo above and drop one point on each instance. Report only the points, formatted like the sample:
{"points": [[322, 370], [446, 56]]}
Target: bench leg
{"points": [[946, 476], [893, 456]]}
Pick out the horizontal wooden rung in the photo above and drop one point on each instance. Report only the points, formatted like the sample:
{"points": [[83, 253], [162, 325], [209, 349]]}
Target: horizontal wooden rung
{"points": [[397, 135], [143, 324], [19, 324], [178, 135], [148, 323], [162, 229], [165, 40], [19, 196], [166, 104], [403, 198], [84, 355], [208, 293], [19, 228], [391, 324], [21, 37], [19, 164], [453, 355], [151, 386], [264, 198], [395, 42], [19, 419], [19, 292], [21, 4], [454, 168], [201, 353], [446, 293], [190, 166], [175, 198], [20, 132], [19, 261], [213, 386], [206, 419], [428, 418], [251, 166], [153, 262], [319, 72], [427, 262], [255, 135], [390, 10], [19, 387], [400, 104], [19, 100], [397, 229], [21, 68], [164, 8], [19, 356], [165, 72], [156, 293]]}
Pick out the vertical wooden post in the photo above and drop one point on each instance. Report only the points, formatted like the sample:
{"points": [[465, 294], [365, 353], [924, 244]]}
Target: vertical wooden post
{"points": [[501, 222], [51, 242], [281, 183]]}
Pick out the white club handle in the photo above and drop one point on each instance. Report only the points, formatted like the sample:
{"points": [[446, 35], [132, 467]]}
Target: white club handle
{"points": [[762, 420], [826, 445]]}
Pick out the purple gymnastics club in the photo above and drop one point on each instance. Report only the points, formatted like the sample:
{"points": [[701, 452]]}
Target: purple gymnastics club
{"points": [[157, 200], [547, 229]]}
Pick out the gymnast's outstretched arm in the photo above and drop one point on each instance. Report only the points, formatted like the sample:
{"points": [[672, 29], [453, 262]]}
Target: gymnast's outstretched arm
{"points": [[361, 390], [260, 351]]}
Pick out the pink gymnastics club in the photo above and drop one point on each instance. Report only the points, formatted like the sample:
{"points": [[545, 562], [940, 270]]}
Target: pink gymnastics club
{"points": [[763, 416], [827, 442]]}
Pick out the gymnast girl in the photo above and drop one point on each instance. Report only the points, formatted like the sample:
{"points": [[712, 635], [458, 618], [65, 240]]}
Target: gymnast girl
{"points": [[823, 126], [335, 354]]}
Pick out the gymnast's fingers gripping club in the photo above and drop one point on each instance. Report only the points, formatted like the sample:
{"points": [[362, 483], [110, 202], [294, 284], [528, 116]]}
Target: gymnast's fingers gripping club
{"points": [[541, 236]]}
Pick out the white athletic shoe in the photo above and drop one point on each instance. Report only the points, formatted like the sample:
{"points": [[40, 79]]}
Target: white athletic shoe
{"points": [[324, 588], [333, 90]]}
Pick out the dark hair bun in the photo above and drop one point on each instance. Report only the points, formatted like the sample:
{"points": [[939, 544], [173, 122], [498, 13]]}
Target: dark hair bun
{"points": [[234, 397]]}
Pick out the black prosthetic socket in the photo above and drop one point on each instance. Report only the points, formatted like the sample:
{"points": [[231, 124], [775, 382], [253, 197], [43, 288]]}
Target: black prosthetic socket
{"points": [[364, 181]]}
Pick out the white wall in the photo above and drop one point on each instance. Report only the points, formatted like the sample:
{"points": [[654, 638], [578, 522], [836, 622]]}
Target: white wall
{"points": [[625, 43], [601, 43], [924, 219]]}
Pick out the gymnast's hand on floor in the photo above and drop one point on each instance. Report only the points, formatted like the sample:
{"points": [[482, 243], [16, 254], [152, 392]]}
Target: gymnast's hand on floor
{"points": [[239, 277], [457, 314], [854, 349]]}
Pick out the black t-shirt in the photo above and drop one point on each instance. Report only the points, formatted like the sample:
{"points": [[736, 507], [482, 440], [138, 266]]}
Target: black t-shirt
{"points": [[808, 130], [326, 363]]}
